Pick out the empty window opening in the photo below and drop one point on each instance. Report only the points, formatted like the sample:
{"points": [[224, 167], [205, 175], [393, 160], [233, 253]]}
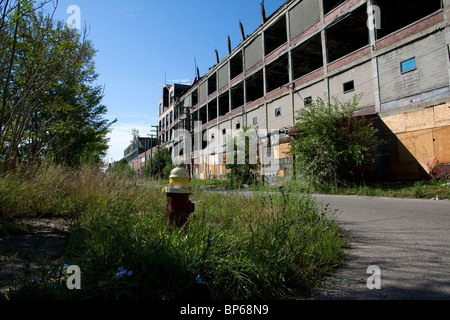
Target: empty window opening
{"points": [[237, 96], [238, 126], [329, 5], [194, 97], [307, 57], [224, 104], [255, 86], [408, 65], [204, 140], [349, 86], [397, 14], [236, 65], [202, 115], [348, 35], [212, 110], [212, 83], [276, 35], [194, 118], [277, 112], [277, 73], [224, 131], [255, 120]]}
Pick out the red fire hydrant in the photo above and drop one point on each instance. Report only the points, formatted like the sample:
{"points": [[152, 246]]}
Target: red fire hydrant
{"points": [[178, 204]]}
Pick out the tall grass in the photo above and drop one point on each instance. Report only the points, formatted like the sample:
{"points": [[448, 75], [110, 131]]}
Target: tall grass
{"points": [[267, 246]]}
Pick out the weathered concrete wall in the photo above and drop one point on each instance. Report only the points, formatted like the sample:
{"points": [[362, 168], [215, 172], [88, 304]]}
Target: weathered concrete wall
{"points": [[253, 53], [305, 14]]}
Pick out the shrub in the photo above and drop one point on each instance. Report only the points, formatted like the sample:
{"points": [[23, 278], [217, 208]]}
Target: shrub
{"points": [[333, 146]]}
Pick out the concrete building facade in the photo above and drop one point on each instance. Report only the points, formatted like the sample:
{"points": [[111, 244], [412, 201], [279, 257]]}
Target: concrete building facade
{"points": [[394, 53]]}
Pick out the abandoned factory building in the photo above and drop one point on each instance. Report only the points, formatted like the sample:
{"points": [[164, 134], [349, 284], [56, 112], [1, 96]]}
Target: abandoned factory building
{"points": [[395, 53]]}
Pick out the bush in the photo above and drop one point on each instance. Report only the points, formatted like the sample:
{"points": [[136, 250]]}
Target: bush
{"points": [[333, 146]]}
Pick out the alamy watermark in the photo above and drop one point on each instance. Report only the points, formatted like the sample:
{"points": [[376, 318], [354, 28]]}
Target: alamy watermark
{"points": [[74, 20], [74, 280], [374, 281]]}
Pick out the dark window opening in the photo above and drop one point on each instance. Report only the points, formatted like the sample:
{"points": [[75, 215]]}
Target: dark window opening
{"points": [[349, 86], [202, 115], [276, 35], [277, 73], [204, 140], [194, 97], [212, 110], [212, 83], [329, 5], [165, 98], [224, 131], [194, 118], [255, 86], [397, 14], [236, 65], [277, 112], [237, 96], [224, 104], [348, 35], [238, 126], [307, 57]]}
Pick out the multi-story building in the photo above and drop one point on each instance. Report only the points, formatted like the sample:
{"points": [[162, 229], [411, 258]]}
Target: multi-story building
{"points": [[395, 53]]}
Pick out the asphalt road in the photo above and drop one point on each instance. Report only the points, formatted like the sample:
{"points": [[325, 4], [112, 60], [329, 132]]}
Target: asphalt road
{"points": [[407, 239]]}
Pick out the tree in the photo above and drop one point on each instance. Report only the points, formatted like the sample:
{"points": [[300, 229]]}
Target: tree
{"points": [[165, 163], [332, 145], [244, 167], [50, 108]]}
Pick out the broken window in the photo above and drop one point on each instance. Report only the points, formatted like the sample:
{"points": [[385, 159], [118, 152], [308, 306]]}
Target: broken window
{"points": [[277, 112], [212, 84], [224, 104], [236, 65], [397, 14], [308, 101], [276, 35], [307, 57], [238, 126], [255, 86], [212, 110], [348, 35], [277, 73], [237, 96], [255, 120]]}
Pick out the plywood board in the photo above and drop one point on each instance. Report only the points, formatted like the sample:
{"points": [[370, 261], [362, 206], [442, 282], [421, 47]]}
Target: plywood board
{"points": [[441, 137], [442, 115], [284, 149], [423, 141], [419, 120], [395, 123], [406, 146]]}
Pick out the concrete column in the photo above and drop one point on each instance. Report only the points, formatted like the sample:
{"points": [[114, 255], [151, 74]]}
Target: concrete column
{"points": [[374, 60]]}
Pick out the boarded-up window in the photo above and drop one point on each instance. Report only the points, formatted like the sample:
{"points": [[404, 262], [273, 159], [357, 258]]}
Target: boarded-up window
{"points": [[304, 15], [253, 53]]}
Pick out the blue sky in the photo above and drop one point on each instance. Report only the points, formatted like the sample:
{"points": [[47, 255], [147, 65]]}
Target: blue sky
{"points": [[143, 43]]}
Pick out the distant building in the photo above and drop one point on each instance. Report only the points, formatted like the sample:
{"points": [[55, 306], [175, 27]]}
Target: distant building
{"points": [[134, 154], [395, 53]]}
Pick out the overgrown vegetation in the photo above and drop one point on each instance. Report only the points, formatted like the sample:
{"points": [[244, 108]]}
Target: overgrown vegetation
{"points": [[332, 146], [160, 165], [262, 247]]}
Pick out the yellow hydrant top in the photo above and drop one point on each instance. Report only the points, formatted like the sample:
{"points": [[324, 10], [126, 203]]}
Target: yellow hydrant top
{"points": [[179, 181]]}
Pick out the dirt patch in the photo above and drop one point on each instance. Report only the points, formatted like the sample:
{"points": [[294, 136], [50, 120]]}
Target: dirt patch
{"points": [[23, 256]]}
